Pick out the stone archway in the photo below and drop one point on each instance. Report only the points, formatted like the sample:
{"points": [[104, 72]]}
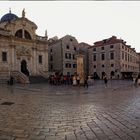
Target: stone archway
{"points": [[95, 75], [24, 69]]}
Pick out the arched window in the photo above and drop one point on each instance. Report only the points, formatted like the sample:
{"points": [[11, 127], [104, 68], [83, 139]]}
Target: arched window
{"points": [[19, 33], [27, 35]]}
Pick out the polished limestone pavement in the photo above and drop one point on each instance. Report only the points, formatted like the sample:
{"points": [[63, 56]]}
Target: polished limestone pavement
{"points": [[45, 112]]}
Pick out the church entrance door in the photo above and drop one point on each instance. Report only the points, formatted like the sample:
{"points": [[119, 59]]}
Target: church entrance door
{"points": [[24, 69]]}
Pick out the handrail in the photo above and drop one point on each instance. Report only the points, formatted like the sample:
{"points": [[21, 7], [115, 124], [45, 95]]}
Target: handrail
{"points": [[20, 77]]}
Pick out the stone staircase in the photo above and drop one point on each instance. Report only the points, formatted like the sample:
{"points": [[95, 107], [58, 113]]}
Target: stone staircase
{"points": [[20, 77]]}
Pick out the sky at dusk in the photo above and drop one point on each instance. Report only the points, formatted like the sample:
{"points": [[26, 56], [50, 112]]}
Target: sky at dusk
{"points": [[88, 21]]}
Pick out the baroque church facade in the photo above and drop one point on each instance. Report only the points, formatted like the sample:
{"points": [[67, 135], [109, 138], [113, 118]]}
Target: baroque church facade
{"points": [[23, 52]]}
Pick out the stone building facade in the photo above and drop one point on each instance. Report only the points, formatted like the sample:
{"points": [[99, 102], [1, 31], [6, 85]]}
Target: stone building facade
{"points": [[23, 53], [114, 58], [62, 55]]}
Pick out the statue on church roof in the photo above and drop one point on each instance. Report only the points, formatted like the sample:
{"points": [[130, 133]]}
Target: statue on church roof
{"points": [[46, 34], [23, 13], [9, 10]]}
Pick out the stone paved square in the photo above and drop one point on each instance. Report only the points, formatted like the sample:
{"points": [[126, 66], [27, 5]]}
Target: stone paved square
{"points": [[45, 112]]}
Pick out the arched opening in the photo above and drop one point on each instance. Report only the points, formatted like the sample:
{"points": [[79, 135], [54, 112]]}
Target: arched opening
{"points": [[95, 75], [27, 35], [112, 74], [24, 69], [19, 33]]}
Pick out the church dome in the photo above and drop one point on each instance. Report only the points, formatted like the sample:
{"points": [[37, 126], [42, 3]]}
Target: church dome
{"points": [[8, 17]]}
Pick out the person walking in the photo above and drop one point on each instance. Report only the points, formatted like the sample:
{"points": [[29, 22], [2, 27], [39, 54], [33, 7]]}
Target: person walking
{"points": [[136, 81], [105, 80], [11, 80], [86, 82], [74, 81], [78, 80]]}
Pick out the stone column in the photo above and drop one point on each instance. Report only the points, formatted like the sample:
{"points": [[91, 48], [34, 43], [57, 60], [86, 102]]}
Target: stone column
{"points": [[12, 58], [34, 61], [46, 65]]}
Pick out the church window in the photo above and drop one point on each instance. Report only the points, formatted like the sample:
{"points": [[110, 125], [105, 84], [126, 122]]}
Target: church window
{"points": [[27, 35], [67, 46], [4, 56], [19, 33], [51, 58], [40, 59]]}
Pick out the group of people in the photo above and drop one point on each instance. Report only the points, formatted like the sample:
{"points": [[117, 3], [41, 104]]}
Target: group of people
{"points": [[74, 80], [60, 79], [136, 80]]}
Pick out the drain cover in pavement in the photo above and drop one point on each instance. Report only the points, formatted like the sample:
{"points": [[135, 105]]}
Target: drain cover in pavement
{"points": [[7, 103]]}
